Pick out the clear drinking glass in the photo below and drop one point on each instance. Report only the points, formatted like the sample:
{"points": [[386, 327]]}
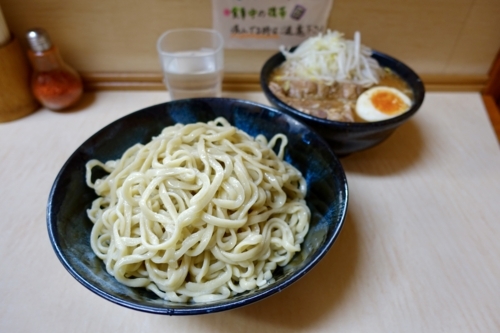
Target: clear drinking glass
{"points": [[192, 61]]}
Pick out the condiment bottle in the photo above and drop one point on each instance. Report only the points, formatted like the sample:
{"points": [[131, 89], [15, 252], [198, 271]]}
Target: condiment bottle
{"points": [[54, 83]]}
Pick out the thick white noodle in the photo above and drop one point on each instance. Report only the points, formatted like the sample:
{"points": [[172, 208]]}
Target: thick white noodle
{"points": [[200, 213]]}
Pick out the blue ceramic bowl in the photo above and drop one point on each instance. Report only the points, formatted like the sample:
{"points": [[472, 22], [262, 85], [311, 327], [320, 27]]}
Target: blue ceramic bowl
{"points": [[69, 228], [346, 138]]}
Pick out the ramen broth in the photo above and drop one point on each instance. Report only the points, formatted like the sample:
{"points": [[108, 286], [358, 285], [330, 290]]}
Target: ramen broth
{"points": [[336, 101]]}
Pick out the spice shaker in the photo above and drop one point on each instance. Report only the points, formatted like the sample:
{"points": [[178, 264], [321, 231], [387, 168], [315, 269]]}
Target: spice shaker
{"points": [[55, 84]]}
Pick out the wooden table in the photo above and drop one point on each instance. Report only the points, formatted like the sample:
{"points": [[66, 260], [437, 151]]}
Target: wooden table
{"points": [[420, 250]]}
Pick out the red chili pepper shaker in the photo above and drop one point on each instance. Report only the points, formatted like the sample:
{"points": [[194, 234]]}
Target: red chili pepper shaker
{"points": [[54, 83]]}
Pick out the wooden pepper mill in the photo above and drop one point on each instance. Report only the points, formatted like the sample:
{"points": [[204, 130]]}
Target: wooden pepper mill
{"points": [[16, 99]]}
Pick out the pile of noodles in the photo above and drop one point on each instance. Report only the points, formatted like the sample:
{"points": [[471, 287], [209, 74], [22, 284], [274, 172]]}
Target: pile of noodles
{"points": [[200, 213]]}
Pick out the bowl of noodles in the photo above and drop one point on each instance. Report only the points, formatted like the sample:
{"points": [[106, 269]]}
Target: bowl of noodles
{"points": [[353, 96], [196, 206]]}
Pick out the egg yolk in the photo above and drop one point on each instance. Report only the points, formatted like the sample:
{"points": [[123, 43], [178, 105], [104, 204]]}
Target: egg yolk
{"points": [[388, 103]]}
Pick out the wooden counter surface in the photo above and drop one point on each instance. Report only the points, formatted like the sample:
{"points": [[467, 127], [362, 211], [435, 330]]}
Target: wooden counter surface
{"points": [[419, 252]]}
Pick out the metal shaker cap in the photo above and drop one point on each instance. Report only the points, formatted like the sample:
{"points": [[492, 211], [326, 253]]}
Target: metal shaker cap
{"points": [[38, 40]]}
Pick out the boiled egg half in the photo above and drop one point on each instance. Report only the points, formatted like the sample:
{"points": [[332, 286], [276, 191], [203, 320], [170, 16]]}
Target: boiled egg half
{"points": [[381, 103]]}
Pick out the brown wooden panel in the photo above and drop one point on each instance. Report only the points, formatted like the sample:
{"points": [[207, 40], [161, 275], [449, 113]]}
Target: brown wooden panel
{"points": [[478, 41], [434, 37]]}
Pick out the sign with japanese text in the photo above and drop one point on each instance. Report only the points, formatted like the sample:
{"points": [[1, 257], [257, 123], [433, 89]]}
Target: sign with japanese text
{"points": [[267, 24]]}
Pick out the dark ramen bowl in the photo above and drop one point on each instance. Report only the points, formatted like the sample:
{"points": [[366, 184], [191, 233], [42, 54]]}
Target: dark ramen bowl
{"points": [[69, 228], [343, 137]]}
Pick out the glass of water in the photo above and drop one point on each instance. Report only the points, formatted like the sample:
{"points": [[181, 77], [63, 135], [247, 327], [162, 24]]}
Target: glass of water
{"points": [[192, 61]]}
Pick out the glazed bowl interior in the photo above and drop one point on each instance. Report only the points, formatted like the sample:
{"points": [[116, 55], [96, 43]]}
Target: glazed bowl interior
{"points": [[344, 137], [69, 228]]}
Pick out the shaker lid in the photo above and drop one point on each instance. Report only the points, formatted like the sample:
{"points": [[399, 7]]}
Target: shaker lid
{"points": [[38, 40]]}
